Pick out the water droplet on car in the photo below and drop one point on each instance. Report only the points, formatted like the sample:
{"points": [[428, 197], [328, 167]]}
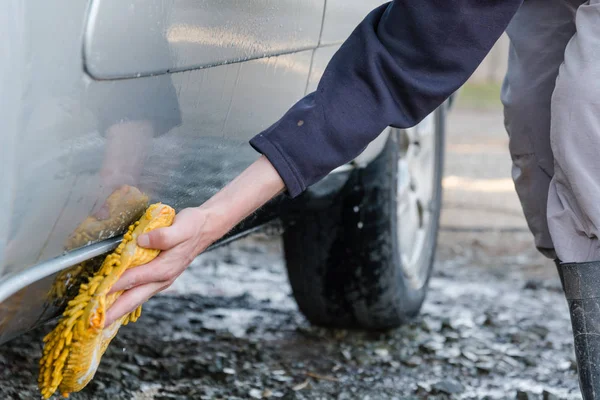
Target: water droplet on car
{"points": [[360, 225]]}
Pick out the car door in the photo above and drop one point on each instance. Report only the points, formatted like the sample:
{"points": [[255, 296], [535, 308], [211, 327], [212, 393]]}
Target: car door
{"points": [[116, 97], [132, 101]]}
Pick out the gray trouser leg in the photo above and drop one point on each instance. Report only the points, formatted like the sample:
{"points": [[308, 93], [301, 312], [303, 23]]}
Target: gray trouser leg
{"points": [[574, 197], [539, 34]]}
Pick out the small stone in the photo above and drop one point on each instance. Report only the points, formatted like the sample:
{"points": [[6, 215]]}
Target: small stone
{"points": [[519, 337], [490, 320], [447, 324], [344, 396], [282, 378], [482, 352], [134, 369], [530, 361], [431, 325], [523, 395], [139, 360], [511, 361], [229, 371], [546, 395], [362, 357], [413, 361], [431, 347], [573, 365], [383, 353], [422, 388], [452, 336], [449, 353], [301, 386], [255, 393], [563, 365], [470, 356], [532, 284], [347, 355], [524, 358], [539, 330], [484, 367], [447, 387]]}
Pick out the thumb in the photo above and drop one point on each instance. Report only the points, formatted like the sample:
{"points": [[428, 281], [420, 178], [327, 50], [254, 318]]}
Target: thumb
{"points": [[160, 239]]}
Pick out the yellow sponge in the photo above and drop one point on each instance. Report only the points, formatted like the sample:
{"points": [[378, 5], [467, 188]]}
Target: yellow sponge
{"points": [[73, 349], [124, 205]]}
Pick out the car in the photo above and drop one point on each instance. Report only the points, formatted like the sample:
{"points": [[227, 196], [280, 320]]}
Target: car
{"points": [[111, 104]]}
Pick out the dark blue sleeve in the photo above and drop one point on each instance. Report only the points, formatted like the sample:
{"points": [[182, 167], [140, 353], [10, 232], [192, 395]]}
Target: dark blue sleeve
{"points": [[403, 60]]}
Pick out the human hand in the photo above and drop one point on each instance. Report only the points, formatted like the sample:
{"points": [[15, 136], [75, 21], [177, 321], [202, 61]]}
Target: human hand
{"points": [[193, 230], [180, 243]]}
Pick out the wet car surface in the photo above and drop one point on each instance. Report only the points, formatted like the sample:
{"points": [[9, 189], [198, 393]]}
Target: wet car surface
{"points": [[156, 95]]}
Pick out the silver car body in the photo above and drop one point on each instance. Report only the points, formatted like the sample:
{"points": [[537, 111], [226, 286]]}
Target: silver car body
{"points": [[162, 95]]}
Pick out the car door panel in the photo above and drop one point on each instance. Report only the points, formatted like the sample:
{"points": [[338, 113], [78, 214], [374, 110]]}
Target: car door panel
{"points": [[87, 117], [321, 58], [143, 37], [341, 17], [220, 108]]}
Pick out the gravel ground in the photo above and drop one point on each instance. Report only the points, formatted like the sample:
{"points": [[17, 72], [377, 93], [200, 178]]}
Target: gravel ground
{"points": [[494, 325]]}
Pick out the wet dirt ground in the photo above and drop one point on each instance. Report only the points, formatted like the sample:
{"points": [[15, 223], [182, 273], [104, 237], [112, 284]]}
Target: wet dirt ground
{"points": [[494, 324]]}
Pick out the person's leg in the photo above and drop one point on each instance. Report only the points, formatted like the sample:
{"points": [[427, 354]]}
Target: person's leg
{"points": [[538, 36], [574, 196]]}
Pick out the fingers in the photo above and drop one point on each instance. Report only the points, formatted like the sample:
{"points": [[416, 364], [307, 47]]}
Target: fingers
{"points": [[180, 246], [161, 239], [188, 224], [131, 299], [156, 270], [169, 237]]}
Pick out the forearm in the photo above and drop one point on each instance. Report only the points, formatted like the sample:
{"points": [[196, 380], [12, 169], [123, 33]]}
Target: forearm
{"points": [[193, 230], [245, 194], [397, 66]]}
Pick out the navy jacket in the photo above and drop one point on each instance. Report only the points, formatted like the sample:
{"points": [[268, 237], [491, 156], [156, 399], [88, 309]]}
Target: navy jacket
{"points": [[403, 60]]}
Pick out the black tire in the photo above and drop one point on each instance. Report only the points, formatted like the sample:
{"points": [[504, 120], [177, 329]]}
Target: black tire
{"points": [[343, 258]]}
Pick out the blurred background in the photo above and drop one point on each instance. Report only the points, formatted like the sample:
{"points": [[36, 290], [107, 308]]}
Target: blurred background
{"points": [[478, 189]]}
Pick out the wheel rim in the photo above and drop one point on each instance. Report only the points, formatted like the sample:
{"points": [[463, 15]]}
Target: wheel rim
{"points": [[416, 191]]}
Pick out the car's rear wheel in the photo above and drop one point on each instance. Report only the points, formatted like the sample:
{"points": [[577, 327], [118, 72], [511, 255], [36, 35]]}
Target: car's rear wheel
{"points": [[363, 259]]}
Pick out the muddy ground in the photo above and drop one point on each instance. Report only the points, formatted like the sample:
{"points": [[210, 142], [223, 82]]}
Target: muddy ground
{"points": [[494, 324]]}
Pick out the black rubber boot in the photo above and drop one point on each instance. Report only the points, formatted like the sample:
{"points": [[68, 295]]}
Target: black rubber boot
{"points": [[560, 274], [581, 283]]}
